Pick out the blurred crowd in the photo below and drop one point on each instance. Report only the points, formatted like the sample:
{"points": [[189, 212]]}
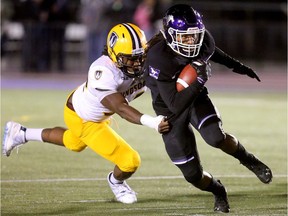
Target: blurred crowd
{"points": [[100, 15], [237, 26], [44, 23]]}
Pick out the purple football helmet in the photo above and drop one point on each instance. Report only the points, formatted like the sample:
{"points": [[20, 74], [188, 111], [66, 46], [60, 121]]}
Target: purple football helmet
{"points": [[184, 30]]}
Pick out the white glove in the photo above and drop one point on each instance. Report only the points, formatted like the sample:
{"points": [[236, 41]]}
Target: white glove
{"points": [[152, 122]]}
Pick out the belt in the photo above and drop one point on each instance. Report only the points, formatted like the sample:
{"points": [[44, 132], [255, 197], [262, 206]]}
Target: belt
{"points": [[69, 102]]}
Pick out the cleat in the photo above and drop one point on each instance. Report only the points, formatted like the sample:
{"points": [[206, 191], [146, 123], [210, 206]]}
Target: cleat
{"points": [[262, 171], [14, 136], [221, 201], [123, 193]]}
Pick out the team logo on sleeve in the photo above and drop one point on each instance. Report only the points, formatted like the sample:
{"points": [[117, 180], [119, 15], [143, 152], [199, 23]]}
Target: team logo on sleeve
{"points": [[153, 72], [98, 74]]}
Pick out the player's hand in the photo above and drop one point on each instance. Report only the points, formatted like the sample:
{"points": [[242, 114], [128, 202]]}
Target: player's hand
{"points": [[242, 69], [159, 123], [164, 126], [203, 70]]}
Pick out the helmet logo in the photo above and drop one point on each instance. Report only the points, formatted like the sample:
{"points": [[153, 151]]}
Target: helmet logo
{"points": [[169, 18], [113, 39]]}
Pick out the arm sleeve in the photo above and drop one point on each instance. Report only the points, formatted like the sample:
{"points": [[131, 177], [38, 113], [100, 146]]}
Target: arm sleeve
{"points": [[223, 58], [237, 67], [178, 101]]}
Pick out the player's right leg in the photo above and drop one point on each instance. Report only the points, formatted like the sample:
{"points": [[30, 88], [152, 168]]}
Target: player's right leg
{"points": [[123, 193], [205, 182], [102, 139], [179, 138], [208, 183]]}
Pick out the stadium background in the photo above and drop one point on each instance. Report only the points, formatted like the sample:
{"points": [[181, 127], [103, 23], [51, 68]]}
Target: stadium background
{"points": [[253, 31]]}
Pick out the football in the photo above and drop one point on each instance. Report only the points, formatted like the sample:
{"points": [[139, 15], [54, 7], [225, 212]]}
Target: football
{"points": [[187, 76]]}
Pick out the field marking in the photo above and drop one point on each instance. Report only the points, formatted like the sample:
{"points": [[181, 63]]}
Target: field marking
{"points": [[133, 178]]}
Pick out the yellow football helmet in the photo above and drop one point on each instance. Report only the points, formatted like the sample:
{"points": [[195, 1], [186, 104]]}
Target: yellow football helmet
{"points": [[126, 45]]}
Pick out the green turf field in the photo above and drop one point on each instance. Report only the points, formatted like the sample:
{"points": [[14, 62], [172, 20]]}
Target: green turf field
{"points": [[49, 180]]}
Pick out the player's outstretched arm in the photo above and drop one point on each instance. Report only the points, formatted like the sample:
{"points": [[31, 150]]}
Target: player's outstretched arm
{"points": [[223, 58], [117, 103]]}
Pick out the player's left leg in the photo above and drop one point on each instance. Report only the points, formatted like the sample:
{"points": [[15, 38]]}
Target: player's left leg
{"points": [[213, 134], [123, 193], [103, 140], [262, 171], [206, 119], [16, 135]]}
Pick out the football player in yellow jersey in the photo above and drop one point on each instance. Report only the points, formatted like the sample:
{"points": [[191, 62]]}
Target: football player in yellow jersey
{"points": [[114, 79]]}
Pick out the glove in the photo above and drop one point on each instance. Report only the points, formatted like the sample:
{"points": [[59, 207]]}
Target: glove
{"points": [[222, 58], [203, 71], [152, 122], [242, 69]]}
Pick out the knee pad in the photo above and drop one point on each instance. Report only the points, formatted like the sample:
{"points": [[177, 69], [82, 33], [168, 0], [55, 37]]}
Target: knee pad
{"points": [[130, 162], [230, 139], [136, 161], [193, 177], [229, 144], [72, 142], [192, 172], [77, 149], [213, 134]]}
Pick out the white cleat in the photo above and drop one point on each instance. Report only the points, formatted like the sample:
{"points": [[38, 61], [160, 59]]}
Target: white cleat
{"points": [[14, 136], [122, 192]]}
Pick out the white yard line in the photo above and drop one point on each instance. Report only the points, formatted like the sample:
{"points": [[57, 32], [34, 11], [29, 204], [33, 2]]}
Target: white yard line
{"points": [[133, 178]]}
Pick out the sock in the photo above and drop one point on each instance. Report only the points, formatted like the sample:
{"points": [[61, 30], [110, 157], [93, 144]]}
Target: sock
{"points": [[241, 153], [216, 188], [33, 134], [113, 180]]}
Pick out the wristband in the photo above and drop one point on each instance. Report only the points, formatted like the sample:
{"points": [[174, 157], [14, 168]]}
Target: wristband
{"points": [[150, 121]]}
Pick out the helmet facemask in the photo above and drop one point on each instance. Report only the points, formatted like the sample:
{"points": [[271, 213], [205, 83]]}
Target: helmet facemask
{"points": [[183, 30], [186, 43], [131, 65]]}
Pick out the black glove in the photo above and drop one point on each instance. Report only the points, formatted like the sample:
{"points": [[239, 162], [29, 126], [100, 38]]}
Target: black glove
{"points": [[203, 71], [222, 58], [242, 69]]}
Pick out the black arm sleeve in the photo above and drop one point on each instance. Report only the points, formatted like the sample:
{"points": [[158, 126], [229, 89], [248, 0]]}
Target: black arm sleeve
{"points": [[223, 58], [178, 101]]}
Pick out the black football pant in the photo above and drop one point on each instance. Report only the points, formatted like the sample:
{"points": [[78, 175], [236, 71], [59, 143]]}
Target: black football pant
{"points": [[180, 142]]}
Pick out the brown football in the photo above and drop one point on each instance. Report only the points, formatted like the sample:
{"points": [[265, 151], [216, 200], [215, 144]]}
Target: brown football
{"points": [[187, 76]]}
